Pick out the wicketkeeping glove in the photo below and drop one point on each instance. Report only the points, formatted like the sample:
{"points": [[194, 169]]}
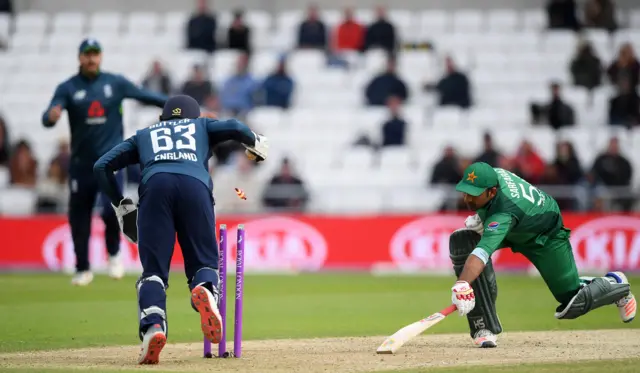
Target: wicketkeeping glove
{"points": [[127, 213], [463, 297], [474, 223], [260, 150]]}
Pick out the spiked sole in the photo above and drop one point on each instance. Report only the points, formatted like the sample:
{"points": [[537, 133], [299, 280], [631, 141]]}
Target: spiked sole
{"points": [[210, 318], [156, 344]]}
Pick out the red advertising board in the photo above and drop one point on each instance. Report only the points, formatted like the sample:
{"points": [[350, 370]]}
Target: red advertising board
{"points": [[311, 243]]}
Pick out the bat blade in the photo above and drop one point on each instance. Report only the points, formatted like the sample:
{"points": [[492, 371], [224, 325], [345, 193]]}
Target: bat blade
{"points": [[404, 335]]}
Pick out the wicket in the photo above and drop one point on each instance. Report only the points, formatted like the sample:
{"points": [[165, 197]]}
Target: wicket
{"points": [[222, 304]]}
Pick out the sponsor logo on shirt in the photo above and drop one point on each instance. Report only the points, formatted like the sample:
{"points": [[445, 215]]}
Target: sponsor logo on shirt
{"points": [[96, 113], [493, 226], [79, 95]]}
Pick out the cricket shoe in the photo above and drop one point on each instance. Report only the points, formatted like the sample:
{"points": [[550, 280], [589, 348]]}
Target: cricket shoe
{"points": [[627, 306], [116, 269], [152, 344], [210, 318], [83, 278], [485, 339]]}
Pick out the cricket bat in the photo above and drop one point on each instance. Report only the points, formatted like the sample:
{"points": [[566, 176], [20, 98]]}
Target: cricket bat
{"points": [[404, 335]]}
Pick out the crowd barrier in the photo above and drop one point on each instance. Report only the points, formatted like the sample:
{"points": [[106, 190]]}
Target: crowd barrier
{"points": [[308, 243]]}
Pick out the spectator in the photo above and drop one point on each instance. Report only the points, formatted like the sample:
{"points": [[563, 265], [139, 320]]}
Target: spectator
{"points": [[567, 164], [157, 79], [285, 190], [551, 180], [446, 173], [212, 104], [453, 88], [381, 33], [489, 155], [63, 157], [23, 166], [562, 15], [239, 34], [52, 191], [4, 143], [586, 68], [312, 32], [386, 85], [278, 87], [625, 67], [624, 109], [241, 175], [600, 14], [556, 113], [528, 163], [237, 93], [394, 129], [349, 35], [198, 86], [201, 29], [447, 170], [611, 169], [6, 6]]}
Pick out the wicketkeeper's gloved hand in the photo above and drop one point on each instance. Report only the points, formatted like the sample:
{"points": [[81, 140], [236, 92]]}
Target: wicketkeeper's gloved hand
{"points": [[463, 297], [127, 213], [260, 150], [474, 223]]}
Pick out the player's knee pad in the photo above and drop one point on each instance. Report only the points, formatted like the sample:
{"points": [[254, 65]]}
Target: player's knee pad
{"points": [[151, 303], [484, 315], [599, 292]]}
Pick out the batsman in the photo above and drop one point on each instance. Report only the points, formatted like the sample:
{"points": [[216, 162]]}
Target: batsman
{"points": [[510, 212]]}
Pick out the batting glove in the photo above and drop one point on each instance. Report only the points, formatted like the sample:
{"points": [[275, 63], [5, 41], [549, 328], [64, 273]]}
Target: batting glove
{"points": [[474, 223], [463, 297], [259, 151], [127, 213]]}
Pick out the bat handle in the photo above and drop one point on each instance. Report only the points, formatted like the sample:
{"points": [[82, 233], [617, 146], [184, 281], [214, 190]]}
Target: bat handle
{"points": [[449, 310]]}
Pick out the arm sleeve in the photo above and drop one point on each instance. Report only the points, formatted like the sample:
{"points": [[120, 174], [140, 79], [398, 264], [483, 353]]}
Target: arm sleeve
{"points": [[121, 156], [142, 95], [231, 129], [59, 98], [496, 228]]}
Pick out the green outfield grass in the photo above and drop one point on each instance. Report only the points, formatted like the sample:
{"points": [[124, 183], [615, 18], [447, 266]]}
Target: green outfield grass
{"points": [[43, 311]]}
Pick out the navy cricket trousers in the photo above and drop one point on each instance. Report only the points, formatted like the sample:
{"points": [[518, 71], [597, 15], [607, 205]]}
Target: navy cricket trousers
{"points": [[173, 204], [83, 189]]}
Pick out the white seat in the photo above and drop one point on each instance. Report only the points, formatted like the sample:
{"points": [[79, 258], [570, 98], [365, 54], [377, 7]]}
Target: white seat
{"points": [[27, 42], [31, 22], [447, 117], [258, 20], [105, 22], [395, 158], [265, 118], [534, 19], [5, 177], [560, 40], [365, 16], [69, 22], [175, 21], [357, 158], [434, 22], [502, 20], [634, 19], [468, 20], [355, 201], [142, 23], [5, 26], [415, 200], [17, 201]]}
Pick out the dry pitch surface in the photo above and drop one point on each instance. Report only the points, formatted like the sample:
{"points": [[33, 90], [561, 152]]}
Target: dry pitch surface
{"points": [[357, 354]]}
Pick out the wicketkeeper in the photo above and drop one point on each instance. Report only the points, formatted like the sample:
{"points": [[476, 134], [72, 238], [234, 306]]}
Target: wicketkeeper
{"points": [[510, 212]]}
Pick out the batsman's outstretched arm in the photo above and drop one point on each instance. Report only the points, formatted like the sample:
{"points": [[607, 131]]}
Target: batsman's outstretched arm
{"points": [[473, 267], [121, 156]]}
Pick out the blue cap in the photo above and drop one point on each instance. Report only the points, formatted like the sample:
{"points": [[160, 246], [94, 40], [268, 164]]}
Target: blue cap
{"points": [[180, 106], [89, 45]]}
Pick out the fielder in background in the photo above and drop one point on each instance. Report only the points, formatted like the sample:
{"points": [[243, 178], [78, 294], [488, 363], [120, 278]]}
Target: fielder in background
{"points": [[93, 100], [510, 212], [175, 197]]}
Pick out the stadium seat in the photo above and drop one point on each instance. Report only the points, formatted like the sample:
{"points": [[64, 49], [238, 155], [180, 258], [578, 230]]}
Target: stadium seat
{"points": [[534, 19], [17, 202], [31, 23], [5, 26], [502, 20], [5, 177], [434, 22], [72, 23], [105, 22], [468, 21], [142, 23], [447, 117]]}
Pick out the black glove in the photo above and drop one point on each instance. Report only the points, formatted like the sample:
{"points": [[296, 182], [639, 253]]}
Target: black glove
{"points": [[127, 213]]}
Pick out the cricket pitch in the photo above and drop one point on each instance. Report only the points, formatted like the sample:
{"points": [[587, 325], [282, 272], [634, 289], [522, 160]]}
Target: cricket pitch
{"points": [[351, 354]]}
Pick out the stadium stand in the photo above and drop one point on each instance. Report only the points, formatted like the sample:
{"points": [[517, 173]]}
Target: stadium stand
{"points": [[508, 55]]}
